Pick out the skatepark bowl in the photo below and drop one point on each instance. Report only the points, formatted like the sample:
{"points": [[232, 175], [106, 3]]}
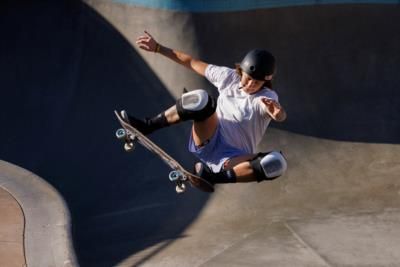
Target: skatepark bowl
{"points": [[66, 65]]}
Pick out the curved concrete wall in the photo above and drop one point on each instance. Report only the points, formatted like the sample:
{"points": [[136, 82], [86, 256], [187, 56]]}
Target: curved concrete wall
{"points": [[234, 5], [47, 233]]}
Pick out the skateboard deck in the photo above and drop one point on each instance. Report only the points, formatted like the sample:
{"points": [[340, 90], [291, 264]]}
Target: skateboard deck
{"points": [[179, 175]]}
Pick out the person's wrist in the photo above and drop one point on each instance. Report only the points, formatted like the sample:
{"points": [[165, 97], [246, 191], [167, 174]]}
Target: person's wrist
{"points": [[158, 47]]}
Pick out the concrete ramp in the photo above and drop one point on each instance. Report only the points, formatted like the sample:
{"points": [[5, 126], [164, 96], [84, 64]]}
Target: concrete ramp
{"points": [[69, 64]]}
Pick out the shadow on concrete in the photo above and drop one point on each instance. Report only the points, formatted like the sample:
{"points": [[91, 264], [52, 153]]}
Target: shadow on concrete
{"points": [[64, 70]]}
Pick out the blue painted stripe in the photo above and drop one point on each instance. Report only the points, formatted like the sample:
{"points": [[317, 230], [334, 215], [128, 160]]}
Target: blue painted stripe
{"points": [[237, 5]]}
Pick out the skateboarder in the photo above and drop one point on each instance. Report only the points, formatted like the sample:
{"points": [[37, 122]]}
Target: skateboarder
{"points": [[226, 131]]}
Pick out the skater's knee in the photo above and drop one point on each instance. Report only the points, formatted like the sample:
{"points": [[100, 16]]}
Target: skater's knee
{"points": [[196, 105], [268, 166]]}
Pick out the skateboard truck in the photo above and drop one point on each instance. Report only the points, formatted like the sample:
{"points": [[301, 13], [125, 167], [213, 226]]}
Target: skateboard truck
{"points": [[129, 139], [179, 178]]}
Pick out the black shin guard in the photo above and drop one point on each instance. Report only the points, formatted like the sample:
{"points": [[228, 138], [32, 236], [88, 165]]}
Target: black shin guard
{"points": [[147, 125], [158, 122], [225, 177]]}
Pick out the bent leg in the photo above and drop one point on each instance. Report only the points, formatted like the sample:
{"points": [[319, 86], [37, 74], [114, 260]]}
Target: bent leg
{"points": [[247, 168], [203, 131], [196, 105], [242, 168], [265, 166], [200, 107]]}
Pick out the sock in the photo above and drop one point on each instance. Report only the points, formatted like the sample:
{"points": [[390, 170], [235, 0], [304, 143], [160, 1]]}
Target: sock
{"points": [[157, 122], [224, 177], [146, 125]]}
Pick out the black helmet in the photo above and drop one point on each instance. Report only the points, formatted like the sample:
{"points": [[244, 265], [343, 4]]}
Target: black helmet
{"points": [[258, 63]]}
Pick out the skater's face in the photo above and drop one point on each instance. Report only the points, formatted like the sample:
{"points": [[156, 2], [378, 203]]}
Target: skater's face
{"points": [[250, 85]]}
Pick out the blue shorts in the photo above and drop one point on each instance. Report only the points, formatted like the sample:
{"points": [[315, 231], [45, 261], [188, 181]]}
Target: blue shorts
{"points": [[215, 152]]}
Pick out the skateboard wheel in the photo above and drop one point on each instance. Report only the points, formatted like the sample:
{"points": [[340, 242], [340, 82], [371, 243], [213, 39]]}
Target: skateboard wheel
{"points": [[120, 133], [175, 176], [180, 188], [129, 147]]}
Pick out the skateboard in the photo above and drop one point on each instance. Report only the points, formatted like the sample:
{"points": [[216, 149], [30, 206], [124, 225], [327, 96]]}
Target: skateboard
{"points": [[180, 176]]}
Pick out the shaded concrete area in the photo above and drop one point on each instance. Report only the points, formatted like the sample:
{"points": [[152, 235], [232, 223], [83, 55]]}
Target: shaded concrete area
{"points": [[64, 67], [338, 204]]}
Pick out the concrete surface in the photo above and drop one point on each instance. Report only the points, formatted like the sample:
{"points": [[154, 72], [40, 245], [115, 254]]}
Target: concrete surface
{"points": [[12, 221], [338, 204], [37, 220]]}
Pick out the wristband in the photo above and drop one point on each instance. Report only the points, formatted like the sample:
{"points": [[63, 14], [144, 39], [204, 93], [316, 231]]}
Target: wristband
{"points": [[158, 46]]}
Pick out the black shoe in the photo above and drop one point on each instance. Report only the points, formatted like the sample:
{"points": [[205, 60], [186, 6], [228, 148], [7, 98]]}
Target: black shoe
{"points": [[124, 116], [202, 170], [144, 126]]}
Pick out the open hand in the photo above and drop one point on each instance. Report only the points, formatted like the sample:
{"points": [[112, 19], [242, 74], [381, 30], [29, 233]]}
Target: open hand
{"points": [[274, 109], [147, 42]]}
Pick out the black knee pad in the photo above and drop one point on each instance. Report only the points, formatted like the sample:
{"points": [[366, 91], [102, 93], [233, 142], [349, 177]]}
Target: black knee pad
{"points": [[269, 166], [196, 105]]}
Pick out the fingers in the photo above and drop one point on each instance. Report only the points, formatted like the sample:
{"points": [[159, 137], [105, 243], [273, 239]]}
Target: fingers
{"points": [[145, 47], [148, 34], [269, 102], [146, 42], [142, 39], [146, 37], [272, 107]]}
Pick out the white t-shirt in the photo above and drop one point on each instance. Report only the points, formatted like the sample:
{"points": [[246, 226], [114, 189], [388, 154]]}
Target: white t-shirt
{"points": [[242, 117]]}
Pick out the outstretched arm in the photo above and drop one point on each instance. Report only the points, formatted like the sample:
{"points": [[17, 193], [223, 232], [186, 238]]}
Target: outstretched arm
{"points": [[148, 43]]}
